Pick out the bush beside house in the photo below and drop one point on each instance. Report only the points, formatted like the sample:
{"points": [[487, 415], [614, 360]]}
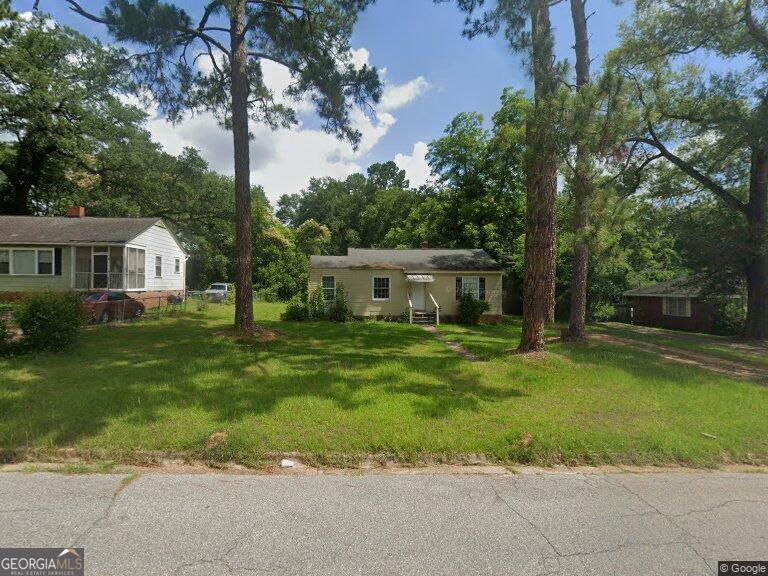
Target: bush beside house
{"points": [[50, 320], [471, 309]]}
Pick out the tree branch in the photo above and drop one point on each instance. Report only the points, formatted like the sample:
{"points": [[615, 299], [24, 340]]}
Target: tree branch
{"points": [[731, 201], [755, 30]]}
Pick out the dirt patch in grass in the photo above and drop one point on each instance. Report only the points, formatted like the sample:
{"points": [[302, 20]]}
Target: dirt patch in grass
{"points": [[709, 362], [260, 335]]}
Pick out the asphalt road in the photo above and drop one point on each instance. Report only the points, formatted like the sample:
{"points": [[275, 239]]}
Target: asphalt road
{"points": [[208, 525]]}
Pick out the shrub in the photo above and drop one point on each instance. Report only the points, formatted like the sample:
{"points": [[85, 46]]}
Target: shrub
{"points": [[5, 335], [317, 309], [340, 311], [730, 316], [470, 308], [297, 310], [50, 320], [603, 312], [230, 299]]}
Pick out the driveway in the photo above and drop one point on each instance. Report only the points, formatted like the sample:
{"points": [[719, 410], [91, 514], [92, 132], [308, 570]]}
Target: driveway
{"points": [[679, 523]]}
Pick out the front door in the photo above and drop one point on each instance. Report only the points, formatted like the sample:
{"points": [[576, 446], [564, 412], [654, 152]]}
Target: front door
{"points": [[418, 295], [101, 270]]}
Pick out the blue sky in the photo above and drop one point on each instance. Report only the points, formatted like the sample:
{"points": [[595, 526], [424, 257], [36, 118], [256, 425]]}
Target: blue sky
{"points": [[432, 73]]}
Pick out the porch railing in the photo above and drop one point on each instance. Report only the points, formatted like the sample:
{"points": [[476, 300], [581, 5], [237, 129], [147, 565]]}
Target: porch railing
{"points": [[410, 311], [437, 309], [100, 281]]}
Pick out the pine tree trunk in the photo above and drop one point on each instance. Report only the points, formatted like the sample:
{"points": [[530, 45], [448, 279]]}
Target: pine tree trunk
{"points": [[243, 224], [541, 187], [582, 187], [757, 270]]}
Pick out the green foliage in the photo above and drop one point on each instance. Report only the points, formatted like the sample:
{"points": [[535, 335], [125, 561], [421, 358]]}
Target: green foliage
{"points": [[730, 316], [201, 305], [603, 312], [317, 306], [340, 311], [50, 320], [60, 112], [471, 309], [312, 237], [297, 310], [5, 334]]}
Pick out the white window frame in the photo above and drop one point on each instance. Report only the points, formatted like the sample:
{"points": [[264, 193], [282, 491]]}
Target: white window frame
{"points": [[177, 266], [138, 249], [668, 308], [158, 257], [373, 288], [477, 280], [37, 251], [323, 288]]}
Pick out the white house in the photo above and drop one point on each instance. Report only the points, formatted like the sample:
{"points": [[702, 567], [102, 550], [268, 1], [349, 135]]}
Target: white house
{"points": [[140, 256]]}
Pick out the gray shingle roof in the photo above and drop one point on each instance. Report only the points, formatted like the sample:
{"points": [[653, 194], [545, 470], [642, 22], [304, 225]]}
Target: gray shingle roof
{"points": [[683, 286], [410, 260], [47, 230]]}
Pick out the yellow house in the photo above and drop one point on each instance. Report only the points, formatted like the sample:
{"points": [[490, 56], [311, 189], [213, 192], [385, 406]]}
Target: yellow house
{"points": [[423, 284]]}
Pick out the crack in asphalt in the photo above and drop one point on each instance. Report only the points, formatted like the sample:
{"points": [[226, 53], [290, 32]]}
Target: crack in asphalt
{"points": [[666, 517], [721, 505], [122, 487]]}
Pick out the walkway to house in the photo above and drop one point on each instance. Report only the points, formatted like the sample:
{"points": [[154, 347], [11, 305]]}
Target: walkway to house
{"points": [[455, 346]]}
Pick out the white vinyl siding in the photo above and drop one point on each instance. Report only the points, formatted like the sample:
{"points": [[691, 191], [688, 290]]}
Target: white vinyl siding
{"points": [[676, 306], [381, 288], [158, 241]]}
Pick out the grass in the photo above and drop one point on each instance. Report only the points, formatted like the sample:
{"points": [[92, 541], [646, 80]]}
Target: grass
{"points": [[727, 348], [337, 392]]}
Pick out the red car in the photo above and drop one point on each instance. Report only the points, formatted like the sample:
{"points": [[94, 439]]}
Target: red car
{"points": [[108, 306]]}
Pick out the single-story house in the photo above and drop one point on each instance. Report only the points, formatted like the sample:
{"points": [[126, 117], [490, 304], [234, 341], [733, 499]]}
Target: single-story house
{"points": [[678, 304], [85, 254], [423, 284]]}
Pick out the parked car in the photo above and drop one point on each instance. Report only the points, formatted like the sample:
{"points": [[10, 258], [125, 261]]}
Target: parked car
{"points": [[110, 305], [218, 292]]}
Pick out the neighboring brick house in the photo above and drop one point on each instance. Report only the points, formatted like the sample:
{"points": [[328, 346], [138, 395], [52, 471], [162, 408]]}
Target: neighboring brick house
{"points": [[678, 304], [140, 256], [423, 284]]}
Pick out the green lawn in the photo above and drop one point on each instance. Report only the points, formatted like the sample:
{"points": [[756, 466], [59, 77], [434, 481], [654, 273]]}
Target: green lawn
{"points": [[334, 392]]}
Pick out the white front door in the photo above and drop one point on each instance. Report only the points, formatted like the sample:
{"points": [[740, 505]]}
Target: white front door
{"points": [[418, 295]]}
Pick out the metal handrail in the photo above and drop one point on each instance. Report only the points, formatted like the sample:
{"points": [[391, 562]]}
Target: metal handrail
{"points": [[410, 311], [437, 309]]}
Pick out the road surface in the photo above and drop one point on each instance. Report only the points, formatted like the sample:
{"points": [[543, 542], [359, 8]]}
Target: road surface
{"points": [[606, 524]]}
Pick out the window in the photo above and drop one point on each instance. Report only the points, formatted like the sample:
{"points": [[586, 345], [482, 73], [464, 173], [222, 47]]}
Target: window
{"points": [[136, 275], [177, 266], [116, 296], [23, 261], [676, 306], [475, 285], [381, 288], [5, 262], [329, 288], [45, 262], [158, 266]]}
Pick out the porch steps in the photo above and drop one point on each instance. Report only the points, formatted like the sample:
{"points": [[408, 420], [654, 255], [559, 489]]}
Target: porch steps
{"points": [[424, 317]]}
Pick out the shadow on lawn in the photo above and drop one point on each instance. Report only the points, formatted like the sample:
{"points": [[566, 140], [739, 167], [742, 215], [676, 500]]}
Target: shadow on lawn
{"points": [[144, 373], [495, 342]]}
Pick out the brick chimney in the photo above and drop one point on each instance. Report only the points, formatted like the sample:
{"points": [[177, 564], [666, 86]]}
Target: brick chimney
{"points": [[424, 245], [76, 212]]}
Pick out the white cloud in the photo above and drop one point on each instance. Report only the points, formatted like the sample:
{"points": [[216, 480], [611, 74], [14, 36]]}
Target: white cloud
{"points": [[416, 167], [283, 161], [398, 95]]}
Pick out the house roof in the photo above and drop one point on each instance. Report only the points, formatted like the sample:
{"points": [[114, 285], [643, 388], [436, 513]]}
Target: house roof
{"points": [[416, 260], [683, 286], [60, 230]]}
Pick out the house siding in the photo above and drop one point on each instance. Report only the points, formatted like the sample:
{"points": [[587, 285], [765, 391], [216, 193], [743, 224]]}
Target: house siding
{"points": [[647, 311], [158, 241], [358, 284], [12, 287]]}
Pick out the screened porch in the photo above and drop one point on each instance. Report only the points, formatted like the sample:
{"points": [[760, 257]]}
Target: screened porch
{"points": [[109, 268]]}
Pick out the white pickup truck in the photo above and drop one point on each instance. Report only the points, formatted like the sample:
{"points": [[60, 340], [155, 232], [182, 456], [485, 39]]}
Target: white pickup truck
{"points": [[218, 292]]}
